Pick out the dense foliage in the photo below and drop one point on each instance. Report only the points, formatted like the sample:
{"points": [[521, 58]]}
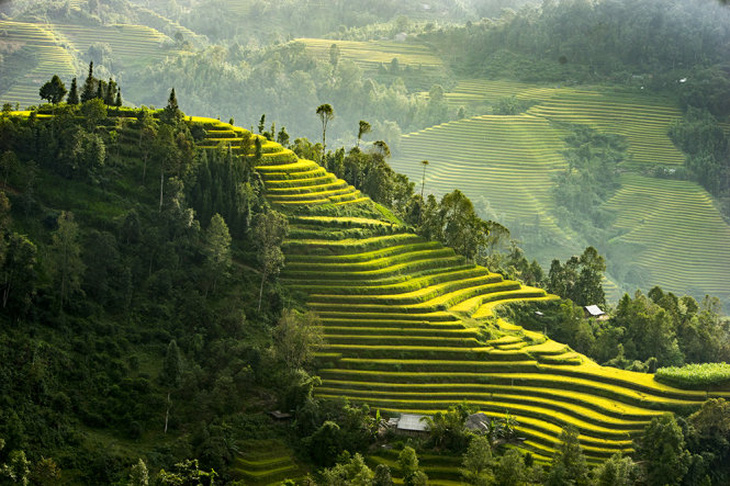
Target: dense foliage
{"points": [[701, 375]]}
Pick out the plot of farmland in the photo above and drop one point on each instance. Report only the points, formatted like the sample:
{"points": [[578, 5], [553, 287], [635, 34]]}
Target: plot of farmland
{"points": [[20, 42], [393, 307], [504, 164], [133, 46], [684, 239]]}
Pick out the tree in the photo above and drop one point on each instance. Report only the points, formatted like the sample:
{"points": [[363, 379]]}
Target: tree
{"points": [[17, 470], [89, 90], [17, 273], [53, 91], [171, 114], [326, 113], [73, 94], [662, 448], [95, 112], [46, 472], [354, 472], [325, 444], [269, 230], [477, 462], [67, 266], [139, 476], [569, 464], [171, 374], [282, 138], [363, 128], [187, 473], [382, 476], [617, 471], [297, 338], [461, 228], [408, 464], [217, 249], [511, 470], [424, 163], [448, 429]]}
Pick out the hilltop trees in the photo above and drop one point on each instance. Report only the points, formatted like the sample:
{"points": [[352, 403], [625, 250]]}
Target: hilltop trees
{"points": [[580, 278], [73, 94], [53, 91], [89, 90]]}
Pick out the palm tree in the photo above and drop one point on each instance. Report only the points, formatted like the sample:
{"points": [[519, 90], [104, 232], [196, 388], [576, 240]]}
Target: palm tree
{"points": [[363, 129], [326, 113], [423, 179]]}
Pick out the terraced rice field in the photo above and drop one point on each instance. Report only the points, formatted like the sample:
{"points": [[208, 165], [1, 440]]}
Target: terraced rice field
{"points": [[682, 238], [265, 462], [505, 164], [370, 54], [132, 46], [408, 329], [643, 120], [21, 42]]}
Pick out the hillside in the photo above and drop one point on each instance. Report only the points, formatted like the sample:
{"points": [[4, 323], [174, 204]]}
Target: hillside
{"points": [[409, 326], [507, 164]]}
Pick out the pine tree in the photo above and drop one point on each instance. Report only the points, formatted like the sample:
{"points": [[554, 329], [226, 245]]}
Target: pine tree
{"points": [[110, 93], [172, 114], [88, 92], [73, 94], [118, 101]]}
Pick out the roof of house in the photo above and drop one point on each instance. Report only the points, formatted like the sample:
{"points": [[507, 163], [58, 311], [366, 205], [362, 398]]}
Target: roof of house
{"points": [[412, 422], [478, 422], [594, 310]]}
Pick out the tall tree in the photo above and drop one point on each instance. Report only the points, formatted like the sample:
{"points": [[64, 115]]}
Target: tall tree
{"points": [[569, 463], [298, 336], [461, 228], [53, 91], [269, 230], [73, 94], [326, 113], [411, 472], [217, 249], [363, 128], [424, 163], [171, 114], [664, 453], [89, 90], [477, 462], [67, 266]]}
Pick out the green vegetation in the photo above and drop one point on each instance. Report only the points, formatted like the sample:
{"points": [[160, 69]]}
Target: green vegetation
{"points": [[701, 375], [168, 280]]}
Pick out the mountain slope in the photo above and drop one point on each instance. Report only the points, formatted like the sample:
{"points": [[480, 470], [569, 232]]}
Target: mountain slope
{"points": [[409, 326]]}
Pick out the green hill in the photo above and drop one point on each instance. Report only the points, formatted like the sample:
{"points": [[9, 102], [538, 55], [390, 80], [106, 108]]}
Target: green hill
{"points": [[409, 327]]}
